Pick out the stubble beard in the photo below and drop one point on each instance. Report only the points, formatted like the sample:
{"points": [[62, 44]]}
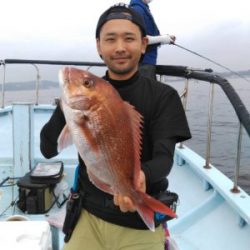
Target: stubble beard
{"points": [[121, 70]]}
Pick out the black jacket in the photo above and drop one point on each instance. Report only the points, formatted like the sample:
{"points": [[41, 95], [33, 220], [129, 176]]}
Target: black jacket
{"points": [[164, 125]]}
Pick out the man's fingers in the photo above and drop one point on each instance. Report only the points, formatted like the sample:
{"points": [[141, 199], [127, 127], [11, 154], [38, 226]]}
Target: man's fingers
{"points": [[124, 202], [116, 200], [128, 204]]}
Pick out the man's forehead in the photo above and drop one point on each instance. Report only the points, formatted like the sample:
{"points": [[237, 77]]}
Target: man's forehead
{"points": [[120, 26]]}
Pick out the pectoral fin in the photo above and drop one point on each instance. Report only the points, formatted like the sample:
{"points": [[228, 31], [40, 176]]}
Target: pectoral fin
{"points": [[64, 139]]}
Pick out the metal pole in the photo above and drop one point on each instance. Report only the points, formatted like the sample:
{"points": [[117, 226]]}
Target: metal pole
{"points": [[184, 102], [209, 125], [235, 188], [23, 138], [37, 83], [3, 86]]}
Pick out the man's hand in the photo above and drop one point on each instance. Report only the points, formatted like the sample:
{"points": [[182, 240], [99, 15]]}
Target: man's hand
{"points": [[124, 202], [173, 39]]}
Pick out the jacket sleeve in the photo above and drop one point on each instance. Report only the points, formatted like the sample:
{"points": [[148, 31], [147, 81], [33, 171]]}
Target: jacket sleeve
{"points": [[168, 126], [157, 169], [50, 133]]}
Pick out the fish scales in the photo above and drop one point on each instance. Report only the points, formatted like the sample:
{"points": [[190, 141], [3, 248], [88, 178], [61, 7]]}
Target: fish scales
{"points": [[107, 133]]}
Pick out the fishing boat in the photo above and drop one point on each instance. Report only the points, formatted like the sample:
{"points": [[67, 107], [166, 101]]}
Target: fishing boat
{"points": [[213, 211]]}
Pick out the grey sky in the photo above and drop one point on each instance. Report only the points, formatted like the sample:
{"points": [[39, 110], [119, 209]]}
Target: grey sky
{"points": [[64, 30]]}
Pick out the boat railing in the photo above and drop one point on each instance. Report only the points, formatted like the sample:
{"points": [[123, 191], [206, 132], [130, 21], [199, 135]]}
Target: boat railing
{"points": [[177, 71], [242, 113], [35, 63]]}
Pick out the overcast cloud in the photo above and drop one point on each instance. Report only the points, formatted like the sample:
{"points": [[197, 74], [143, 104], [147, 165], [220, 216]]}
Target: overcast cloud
{"points": [[64, 30]]}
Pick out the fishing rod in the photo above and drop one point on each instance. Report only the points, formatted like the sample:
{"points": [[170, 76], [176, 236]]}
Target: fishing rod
{"points": [[168, 39], [212, 61]]}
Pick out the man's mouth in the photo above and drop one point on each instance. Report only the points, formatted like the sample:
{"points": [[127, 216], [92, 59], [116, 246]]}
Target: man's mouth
{"points": [[120, 59]]}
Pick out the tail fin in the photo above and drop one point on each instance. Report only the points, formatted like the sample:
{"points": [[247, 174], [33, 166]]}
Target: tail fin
{"points": [[148, 205]]}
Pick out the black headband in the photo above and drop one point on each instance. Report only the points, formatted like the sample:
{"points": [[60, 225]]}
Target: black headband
{"points": [[120, 11]]}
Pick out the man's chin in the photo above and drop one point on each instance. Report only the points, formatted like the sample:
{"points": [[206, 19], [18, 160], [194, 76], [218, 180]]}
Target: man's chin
{"points": [[121, 70]]}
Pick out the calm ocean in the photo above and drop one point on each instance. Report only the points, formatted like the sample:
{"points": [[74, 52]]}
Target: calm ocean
{"points": [[225, 123]]}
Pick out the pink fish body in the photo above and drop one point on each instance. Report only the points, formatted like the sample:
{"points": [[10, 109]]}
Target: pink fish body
{"points": [[107, 134]]}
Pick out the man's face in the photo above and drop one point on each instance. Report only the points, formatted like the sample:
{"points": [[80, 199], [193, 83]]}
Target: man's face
{"points": [[121, 45]]}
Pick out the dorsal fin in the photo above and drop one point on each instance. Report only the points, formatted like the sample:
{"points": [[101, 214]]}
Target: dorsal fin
{"points": [[136, 125]]}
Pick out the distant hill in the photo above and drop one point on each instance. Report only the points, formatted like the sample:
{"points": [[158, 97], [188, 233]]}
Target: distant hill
{"points": [[45, 84], [244, 73], [31, 85]]}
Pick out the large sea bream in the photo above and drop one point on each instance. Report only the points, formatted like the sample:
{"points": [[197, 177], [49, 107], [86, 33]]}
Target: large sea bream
{"points": [[107, 133]]}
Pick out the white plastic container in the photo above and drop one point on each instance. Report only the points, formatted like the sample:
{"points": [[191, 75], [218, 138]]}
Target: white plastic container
{"points": [[24, 235]]}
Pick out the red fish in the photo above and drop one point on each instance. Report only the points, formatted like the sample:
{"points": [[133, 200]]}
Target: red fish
{"points": [[107, 133]]}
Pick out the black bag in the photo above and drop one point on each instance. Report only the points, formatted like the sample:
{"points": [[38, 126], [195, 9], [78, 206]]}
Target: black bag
{"points": [[36, 188], [73, 212], [45, 172], [171, 200]]}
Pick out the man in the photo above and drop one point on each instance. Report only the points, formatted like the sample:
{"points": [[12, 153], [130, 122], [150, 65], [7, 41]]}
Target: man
{"points": [[149, 60], [108, 222], [148, 63], [142, 7]]}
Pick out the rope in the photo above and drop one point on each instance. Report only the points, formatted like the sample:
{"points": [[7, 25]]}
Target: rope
{"points": [[212, 61]]}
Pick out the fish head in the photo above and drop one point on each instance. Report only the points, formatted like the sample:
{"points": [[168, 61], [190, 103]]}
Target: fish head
{"points": [[80, 88]]}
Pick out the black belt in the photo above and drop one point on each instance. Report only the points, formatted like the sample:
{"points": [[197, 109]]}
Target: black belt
{"points": [[95, 204]]}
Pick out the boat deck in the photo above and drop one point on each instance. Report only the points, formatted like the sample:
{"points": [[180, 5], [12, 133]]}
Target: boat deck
{"points": [[210, 216], [208, 211]]}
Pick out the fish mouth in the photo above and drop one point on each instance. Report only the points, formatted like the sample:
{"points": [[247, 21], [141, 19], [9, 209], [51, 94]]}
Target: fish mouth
{"points": [[61, 78]]}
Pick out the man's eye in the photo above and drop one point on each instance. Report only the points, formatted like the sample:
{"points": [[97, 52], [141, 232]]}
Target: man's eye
{"points": [[129, 39], [110, 39]]}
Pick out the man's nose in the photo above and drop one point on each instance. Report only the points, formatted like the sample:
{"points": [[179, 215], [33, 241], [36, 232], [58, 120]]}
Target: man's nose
{"points": [[120, 45]]}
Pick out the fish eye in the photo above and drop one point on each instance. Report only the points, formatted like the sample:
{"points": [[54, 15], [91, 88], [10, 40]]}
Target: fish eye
{"points": [[88, 83]]}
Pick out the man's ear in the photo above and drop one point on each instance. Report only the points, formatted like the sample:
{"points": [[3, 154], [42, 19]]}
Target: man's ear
{"points": [[144, 44], [98, 47]]}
